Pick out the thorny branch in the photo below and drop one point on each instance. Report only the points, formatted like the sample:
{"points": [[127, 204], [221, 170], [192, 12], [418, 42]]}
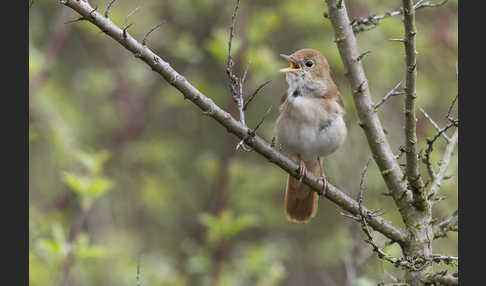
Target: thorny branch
{"points": [[369, 121], [434, 124], [412, 169], [392, 92], [444, 163], [236, 84], [440, 131], [224, 118], [413, 204], [441, 278], [372, 21], [407, 263], [437, 178], [450, 224]]}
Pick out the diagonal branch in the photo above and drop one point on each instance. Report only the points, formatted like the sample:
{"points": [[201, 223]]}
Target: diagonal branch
{"points": [[450, 224], [444, 163], [442, 279], [392, 92], [226, 120], [379, 146]]}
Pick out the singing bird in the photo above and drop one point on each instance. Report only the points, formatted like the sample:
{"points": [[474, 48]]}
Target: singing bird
{"points": [[310, 125]]}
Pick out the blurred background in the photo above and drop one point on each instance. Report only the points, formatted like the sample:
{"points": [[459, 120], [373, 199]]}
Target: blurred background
{"points": [[122, 170]]}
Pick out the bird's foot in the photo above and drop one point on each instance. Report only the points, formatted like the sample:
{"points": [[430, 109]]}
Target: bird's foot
{"points": [[322, 178], [324, 184], [302, 170]]}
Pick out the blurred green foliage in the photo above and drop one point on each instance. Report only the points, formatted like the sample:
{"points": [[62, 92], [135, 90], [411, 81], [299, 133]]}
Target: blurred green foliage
{"points": [[110, 139]]}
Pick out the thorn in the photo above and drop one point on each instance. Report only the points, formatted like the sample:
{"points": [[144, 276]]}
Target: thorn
{"points": [[252, 96], [360, 57], [92, 11], [125, 31], [108, 8], [144, 42], [77, 20], [125, 26]]}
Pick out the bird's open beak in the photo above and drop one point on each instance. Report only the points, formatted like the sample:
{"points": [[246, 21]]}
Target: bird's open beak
{"points": [[294, 66]]}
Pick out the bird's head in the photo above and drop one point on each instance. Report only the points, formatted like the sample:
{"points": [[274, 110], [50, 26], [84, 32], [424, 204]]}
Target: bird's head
{"points": [[308, 69]]}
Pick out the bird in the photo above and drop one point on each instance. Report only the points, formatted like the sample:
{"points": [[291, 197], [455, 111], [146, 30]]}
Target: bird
{"points": [[310, 125]]}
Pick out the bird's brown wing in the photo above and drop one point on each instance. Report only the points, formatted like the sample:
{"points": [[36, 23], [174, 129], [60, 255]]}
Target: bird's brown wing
{"points": [[284, 97], [334, 92], [339, 99]]}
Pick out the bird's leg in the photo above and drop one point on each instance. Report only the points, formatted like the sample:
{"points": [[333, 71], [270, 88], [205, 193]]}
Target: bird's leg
{"points": [[302, 169], [322, 177]]}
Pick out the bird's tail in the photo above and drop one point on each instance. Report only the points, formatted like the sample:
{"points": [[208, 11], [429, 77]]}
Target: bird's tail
{"points": [[300, 199]]}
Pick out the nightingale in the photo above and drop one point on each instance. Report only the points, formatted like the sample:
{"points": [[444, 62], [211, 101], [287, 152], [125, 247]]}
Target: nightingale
{"points": [[310, 125]]}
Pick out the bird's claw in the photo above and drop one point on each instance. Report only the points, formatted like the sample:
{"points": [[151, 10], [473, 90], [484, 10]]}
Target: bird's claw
{"points": [[324, 185], [302, 170]]}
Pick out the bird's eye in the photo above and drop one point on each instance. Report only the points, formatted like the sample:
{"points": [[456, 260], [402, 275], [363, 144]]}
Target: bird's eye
{"points": [[309, 63]]}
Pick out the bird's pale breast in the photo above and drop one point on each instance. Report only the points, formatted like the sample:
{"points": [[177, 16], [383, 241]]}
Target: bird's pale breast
{"points": [[306, 128]]}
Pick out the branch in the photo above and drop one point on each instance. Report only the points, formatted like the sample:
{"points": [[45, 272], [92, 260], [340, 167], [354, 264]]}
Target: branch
{"points": [[434, 124], [448, 115], [252, 96], [412, 167], [379, 146], [444, 163], [450, 224], [430, 143], [225, 119], [442, 279], [138, 269], [372, 21], [392, 92], [363, 216]]}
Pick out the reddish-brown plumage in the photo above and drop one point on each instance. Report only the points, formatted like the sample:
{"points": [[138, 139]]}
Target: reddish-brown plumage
{"points": [[300, 201], [310, 125]]}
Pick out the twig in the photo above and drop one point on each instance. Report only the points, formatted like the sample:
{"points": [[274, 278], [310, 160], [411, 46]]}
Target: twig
{"points": [[144, 42], [450, 224], [434, 124], [413, 264], [372, 21], [76, 20], [444, 163], [263, 119], [108, 8], [233, 126], [125, 26], [392, 92], [138, 269], [448, 115], [438, 258], [229, 69], [236, 84], [442, 279], [252, 96]]}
